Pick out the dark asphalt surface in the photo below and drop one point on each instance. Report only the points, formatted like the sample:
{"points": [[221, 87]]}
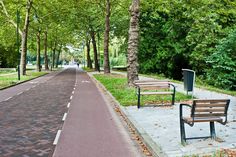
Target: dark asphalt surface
{"points": [[29, 121], [92, 129]]}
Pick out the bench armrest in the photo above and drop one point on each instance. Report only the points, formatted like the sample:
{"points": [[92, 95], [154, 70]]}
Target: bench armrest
{"points": [[181, 110]]}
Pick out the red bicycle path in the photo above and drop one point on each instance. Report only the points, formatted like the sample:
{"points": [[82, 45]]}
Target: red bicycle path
{"points": [[92, 128]]}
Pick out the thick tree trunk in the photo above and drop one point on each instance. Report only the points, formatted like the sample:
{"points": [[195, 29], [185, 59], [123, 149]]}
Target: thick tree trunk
{"points": [[106, 39], [96, 65], [45, 50], [58, 56], [24, 38], [132, 66], [38, 63], [89, 62]]}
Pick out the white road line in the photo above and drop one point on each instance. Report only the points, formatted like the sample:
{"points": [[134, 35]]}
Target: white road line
{"points": [[20, 93], [64, 117], [57, 137], [74, 88], [73, 92], [8, 98], [71, 97], [68, 105]]}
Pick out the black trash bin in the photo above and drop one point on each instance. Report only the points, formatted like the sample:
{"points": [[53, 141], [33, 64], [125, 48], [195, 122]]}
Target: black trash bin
{"points": [[189, 79]]}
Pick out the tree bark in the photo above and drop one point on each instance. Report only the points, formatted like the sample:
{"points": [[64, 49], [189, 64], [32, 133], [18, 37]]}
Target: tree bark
{"points": [[58, 56], [132, 65], [45, 50], [96, 65], [24, 38], [53, 54], [89, 62], [106, 39], [38, 62]]}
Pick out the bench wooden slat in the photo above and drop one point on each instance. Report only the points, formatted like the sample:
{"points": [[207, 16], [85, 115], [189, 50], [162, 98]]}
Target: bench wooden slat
{"points": [[211, 105], [209, 115], [151, 80], [209, 100], [203, 119], [155, 93], [210, 110]]}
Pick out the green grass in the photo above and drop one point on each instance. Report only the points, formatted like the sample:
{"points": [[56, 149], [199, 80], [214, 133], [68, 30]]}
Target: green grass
{"points": [[88, 69], [12, 79], [7, 71], [117, 85], [199, 83]]}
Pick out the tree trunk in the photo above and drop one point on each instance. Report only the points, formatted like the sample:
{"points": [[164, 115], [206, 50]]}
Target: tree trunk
{"points": [[45, 50], [89, 62], [132, 65], [24, 38], [38, 64], [106, 39], [97, 68], [58, 56], [53, 55]]}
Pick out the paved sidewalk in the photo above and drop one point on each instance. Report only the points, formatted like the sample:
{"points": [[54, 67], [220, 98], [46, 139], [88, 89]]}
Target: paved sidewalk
{"points": [[92, 129], [161, 126]]}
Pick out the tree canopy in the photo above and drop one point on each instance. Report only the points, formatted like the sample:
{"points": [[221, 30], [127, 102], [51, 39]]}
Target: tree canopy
{"points": [[173, 34]]}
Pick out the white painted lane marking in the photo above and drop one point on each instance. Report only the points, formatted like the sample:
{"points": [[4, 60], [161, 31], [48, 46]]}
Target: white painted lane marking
{"points": [[64, 117], [20, 93], [8, 98], [57, 137], [73, 92], [68, 105], [71, 97]]}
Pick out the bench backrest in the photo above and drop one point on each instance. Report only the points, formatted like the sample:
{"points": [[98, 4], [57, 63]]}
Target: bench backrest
{"points": [[153, 84], [210, 108]]}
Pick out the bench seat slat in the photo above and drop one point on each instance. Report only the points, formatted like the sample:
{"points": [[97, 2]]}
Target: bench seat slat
{"points": [[209, 115], [155, 93], [202, 119], [210, 110]]}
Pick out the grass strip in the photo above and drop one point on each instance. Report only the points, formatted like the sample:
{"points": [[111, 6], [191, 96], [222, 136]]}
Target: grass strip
{"points": [[117, 85], [12, 79]]}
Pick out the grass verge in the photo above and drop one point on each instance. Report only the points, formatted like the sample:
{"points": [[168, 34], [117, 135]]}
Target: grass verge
{"points": [[117, 85], [12, 79]]}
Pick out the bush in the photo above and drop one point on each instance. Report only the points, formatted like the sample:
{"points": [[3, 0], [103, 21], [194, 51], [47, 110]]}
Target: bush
{"points": [[223, 63]]}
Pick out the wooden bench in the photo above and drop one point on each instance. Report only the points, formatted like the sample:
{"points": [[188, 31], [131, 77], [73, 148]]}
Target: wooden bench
{"points": [[211, 110], [154, 87]]}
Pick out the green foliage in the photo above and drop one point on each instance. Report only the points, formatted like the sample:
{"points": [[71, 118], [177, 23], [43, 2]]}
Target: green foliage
{"points": [[119, 60], [223, 63], [182, 34], [8, 57]]}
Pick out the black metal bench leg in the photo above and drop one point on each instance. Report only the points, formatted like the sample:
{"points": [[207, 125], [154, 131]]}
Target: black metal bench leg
{"points": [[212, 129], [173, 99], [138, 97], [182, 132]]}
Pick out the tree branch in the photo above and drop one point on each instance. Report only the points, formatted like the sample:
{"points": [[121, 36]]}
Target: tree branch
{"points": [[9, 19]]}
